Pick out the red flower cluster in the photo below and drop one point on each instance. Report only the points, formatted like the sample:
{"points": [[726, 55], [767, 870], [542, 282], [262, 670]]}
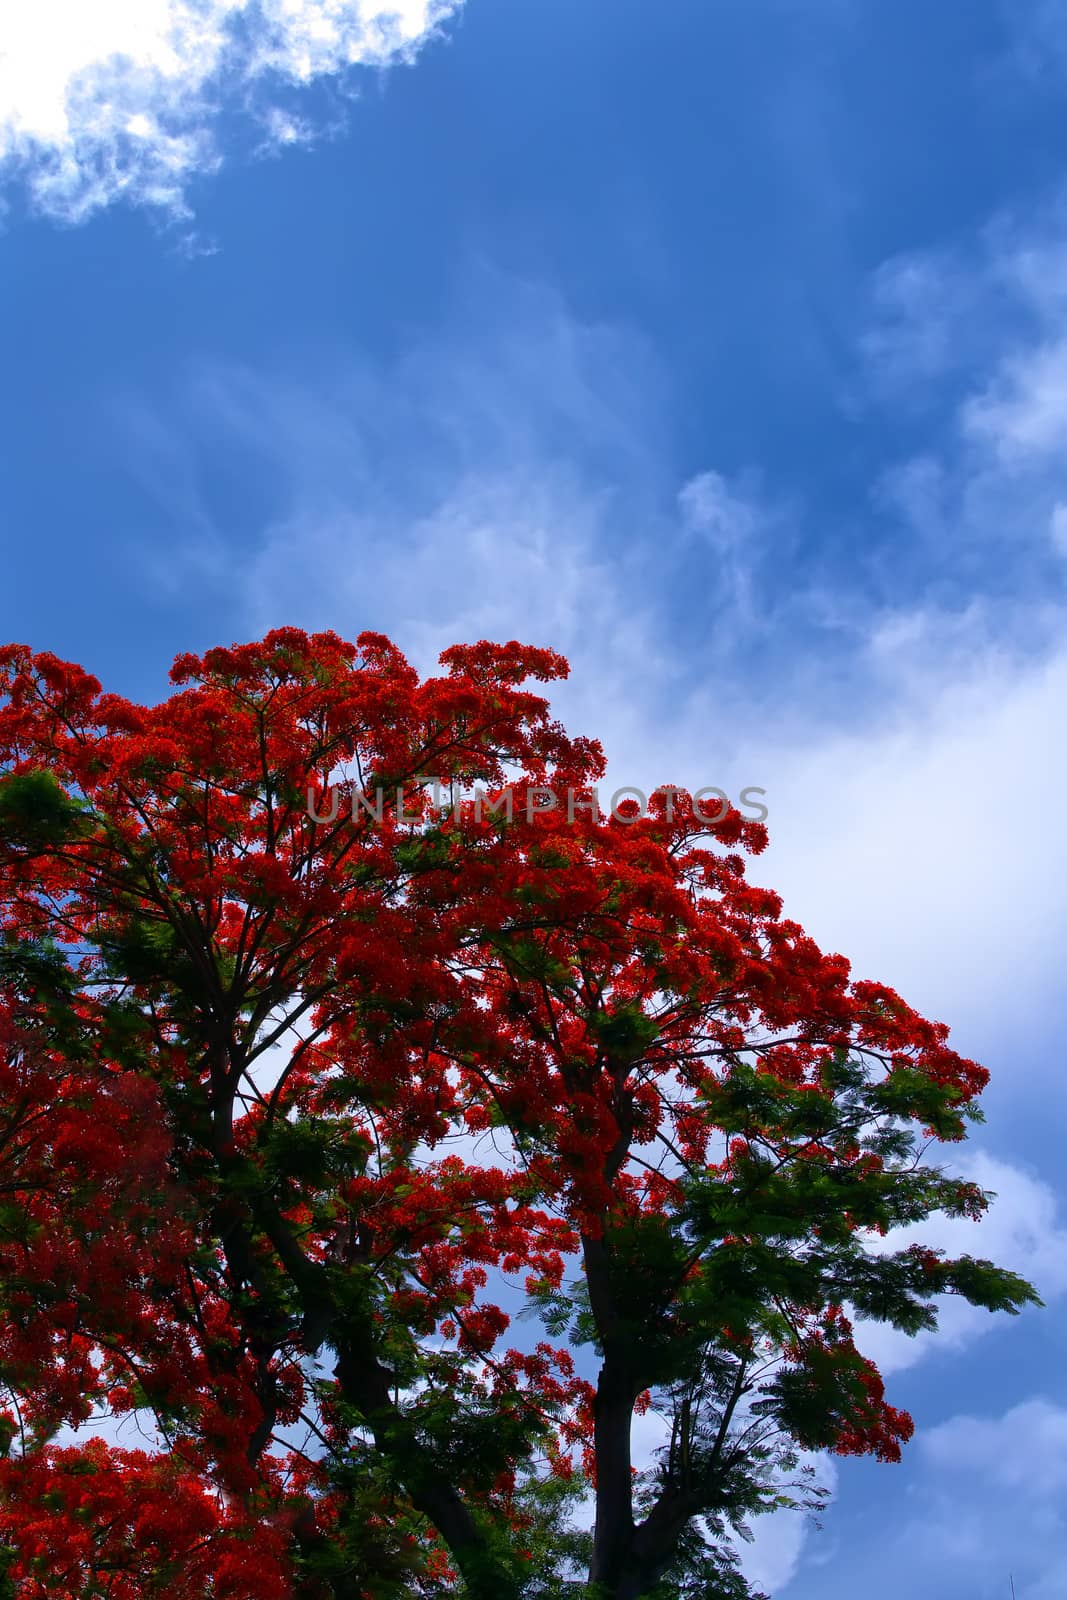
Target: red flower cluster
{"points": [[234, 1041]]}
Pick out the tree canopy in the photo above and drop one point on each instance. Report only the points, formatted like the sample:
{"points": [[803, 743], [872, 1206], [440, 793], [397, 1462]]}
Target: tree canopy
{"points": [[382, 1148]]}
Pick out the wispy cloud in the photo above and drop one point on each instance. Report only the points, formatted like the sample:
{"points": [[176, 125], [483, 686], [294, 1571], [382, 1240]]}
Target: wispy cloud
{"points": [[736, 525], [512, 482], [1023, 1449], [120, 99], [979, 339], [982, 1502], [1022, 414], [922, 325], [992, 1503], [1022, 1227]]}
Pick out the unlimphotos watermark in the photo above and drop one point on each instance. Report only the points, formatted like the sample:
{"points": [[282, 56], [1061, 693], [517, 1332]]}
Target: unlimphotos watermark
{"points": [[706, 806]]}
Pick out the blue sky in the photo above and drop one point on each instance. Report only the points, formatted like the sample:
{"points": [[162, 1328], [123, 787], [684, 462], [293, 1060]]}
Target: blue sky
{"points": [[721, 345]]}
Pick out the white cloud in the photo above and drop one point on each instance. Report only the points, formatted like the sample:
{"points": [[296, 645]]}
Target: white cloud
{"points": [[940, 312], [711, 507], [1022, 1230], [1022, 415], [979, 337], [981, 1501], [920, 328], [1026, 1448], [907, 755], [974, 764], [486, 555], [119, 99], [731, 520], [991, 1493], [927, 844], [780, 1539]]}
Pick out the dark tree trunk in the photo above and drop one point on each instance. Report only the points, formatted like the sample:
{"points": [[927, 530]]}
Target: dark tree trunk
{"points": [[613, 1534]]}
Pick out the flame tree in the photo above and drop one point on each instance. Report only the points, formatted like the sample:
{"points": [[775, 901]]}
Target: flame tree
{"points": [[298, 1083]]}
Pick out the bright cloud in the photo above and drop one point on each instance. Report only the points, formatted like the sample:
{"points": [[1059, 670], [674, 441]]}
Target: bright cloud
{"points": [[1023, 414], [119, 99], [992, 1499], [1021, 1229], [894, 751], [993, 323], [1023, 1449]]}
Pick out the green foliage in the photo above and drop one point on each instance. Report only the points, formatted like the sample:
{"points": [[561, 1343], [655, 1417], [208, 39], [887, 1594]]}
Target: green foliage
{"points": [[36, 969], [36, 813], [307, 1151], [376, 1549], [423, 852], [7, 1583], [625, 1033]]}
